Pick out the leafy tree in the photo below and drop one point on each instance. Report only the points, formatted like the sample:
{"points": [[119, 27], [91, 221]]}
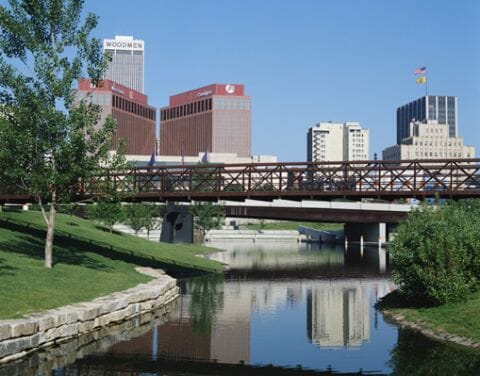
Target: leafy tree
{"points": [[48, 141], [137, 216], [207, 216], [152, 223], [436, 253], [107, 212]]}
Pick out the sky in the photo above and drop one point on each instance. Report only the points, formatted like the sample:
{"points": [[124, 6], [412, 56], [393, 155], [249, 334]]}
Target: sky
{"points": [[308, 61]]}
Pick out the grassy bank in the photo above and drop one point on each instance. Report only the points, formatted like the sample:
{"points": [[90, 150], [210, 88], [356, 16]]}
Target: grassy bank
{"points": [[89, 262], [460, 319], [293, 225]]}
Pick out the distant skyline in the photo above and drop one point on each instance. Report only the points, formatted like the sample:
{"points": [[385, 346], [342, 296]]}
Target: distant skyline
{"points": [[309, 61]]}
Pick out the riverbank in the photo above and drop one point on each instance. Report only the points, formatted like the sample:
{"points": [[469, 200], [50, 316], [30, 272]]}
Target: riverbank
{"points": [[89, 262], [20, 337], [458, 323]]}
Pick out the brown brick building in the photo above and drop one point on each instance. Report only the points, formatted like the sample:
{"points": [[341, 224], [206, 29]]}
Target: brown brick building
{"points": [[215, 118], [135, 118]]}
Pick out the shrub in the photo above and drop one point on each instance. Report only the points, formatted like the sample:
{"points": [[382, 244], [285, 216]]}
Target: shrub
{"points": [[436, 253]]}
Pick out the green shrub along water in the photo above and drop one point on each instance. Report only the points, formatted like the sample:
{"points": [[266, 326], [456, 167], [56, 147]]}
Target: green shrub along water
{"points": [[436, 254]]}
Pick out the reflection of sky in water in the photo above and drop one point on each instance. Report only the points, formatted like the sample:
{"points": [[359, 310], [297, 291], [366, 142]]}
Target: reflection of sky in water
{"points": [[332, 323]]}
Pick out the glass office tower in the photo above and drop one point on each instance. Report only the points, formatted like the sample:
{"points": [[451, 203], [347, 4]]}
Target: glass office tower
{"points": [[433, 107]]}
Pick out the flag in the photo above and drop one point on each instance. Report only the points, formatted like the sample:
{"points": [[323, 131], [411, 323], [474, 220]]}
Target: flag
{"points": [[205, 157], [421, 70], [152, 159], [421, 80]]}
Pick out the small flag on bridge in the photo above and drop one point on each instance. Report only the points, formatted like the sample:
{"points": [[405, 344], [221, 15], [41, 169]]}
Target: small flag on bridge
{"points": [[205, 157], [152, 159]]}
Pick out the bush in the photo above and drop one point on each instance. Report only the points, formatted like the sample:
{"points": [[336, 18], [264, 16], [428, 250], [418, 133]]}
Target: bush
{"points": [[436, 253]]}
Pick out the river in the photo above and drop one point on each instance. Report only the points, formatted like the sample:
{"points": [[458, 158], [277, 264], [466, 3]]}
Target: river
{"points": [[281, 309]]}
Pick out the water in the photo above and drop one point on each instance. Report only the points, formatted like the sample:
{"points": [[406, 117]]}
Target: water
{"points": [[282, 309]]}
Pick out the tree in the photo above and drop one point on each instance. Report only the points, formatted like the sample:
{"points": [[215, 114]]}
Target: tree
{"points": [[153, 222], [207, 216], [48, 141], [138, 216], [436, 253], [107, 212]]}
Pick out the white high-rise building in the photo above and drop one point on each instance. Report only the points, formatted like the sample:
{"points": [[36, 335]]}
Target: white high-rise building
{"points": [[429, 140], [127, 65], [337, 142]]}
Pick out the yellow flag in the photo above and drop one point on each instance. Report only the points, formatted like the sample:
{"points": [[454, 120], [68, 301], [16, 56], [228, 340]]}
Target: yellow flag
{"points": [[421, 80]]}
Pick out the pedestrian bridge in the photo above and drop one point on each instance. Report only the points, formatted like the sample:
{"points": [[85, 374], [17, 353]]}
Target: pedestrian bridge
{"points": [[354, 180]]}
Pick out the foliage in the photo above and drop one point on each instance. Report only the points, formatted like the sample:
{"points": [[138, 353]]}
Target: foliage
{"points": [[106, 212], [206, 299], [140, 215], [49, 142], [436, 253], [207, 216]]}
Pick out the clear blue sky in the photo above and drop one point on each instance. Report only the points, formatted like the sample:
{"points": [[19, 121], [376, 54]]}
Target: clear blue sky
{"points": [[307, 61]]}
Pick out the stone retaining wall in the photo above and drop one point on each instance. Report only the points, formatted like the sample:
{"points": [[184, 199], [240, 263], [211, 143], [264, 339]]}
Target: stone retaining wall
{"points": [[20, 337], [44, 360]]}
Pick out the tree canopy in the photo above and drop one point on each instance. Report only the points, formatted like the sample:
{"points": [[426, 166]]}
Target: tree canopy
{"points": [[49, 141]]}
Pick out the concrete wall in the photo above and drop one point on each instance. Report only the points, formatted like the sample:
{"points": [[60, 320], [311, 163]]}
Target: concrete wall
{"points": [[321, 236]]}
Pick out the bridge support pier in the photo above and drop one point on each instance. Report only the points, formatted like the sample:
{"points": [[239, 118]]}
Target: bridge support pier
{"points": [[366, 233]]}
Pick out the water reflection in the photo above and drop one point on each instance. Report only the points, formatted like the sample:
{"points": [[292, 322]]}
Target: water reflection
{"points": [[283, 322], [279, 307], [289, 259]]}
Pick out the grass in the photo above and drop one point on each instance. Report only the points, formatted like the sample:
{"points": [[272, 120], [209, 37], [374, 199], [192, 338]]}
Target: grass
{"points": [[88, 262], [459, 319], [293, 225]]}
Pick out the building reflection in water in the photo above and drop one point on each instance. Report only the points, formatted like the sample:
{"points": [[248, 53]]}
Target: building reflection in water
{"points": [[338, 314], [213, 317]]}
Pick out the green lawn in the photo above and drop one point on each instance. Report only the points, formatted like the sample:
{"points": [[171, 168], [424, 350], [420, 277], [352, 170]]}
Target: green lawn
{"points": [[293, 225], [460, 319], [88, 262]]}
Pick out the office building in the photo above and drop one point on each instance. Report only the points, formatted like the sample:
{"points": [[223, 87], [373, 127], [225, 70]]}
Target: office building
{"points": [[337, 142], [135, 118], [127, 65], [212, 119], [432, 107], [429, 139]]}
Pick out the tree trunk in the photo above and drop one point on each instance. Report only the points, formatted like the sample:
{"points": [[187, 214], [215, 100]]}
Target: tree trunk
{"points": [[49, 239], [50, 233]]}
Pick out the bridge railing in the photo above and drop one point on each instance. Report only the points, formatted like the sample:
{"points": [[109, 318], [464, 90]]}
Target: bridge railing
{"points": [[407, 178], [411, 177]]}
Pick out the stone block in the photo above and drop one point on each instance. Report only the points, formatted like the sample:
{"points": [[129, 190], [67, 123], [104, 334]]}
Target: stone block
{"points": [[23, 327], [13, 346], [5, 332]]}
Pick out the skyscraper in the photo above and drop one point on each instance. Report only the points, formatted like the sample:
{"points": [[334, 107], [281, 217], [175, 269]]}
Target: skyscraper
{"points": [[431, 107], [127, 65], [214, 119], [135, 118], [337, 142]]}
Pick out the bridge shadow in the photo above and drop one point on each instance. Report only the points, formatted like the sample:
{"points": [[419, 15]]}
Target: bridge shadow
{"points": [[69, 249]]}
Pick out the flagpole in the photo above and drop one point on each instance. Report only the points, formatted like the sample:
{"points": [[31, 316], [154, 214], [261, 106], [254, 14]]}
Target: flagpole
{"points": [[426, 83]]}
